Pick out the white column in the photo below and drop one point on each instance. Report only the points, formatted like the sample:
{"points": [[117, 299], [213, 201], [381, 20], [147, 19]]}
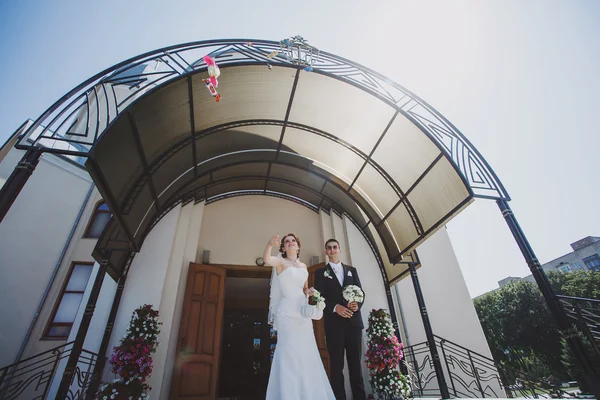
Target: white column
{"points": [[326, 231], [146, 276], [185, 252]]}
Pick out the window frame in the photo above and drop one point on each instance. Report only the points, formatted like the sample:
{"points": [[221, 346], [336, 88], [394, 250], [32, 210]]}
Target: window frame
{"points": [[50, 323], [86, 233], [565, 268], [592, 258]]}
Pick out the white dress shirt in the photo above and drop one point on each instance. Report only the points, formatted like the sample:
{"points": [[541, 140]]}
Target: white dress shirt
{"points": [[338, 269]]}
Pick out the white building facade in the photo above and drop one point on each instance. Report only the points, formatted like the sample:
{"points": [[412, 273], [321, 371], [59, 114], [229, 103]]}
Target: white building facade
{"points": [[297, 141], [45, 238]]}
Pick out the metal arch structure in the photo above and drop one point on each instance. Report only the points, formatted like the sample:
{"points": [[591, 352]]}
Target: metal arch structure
{"points": [[57, 128], [77, 122]]}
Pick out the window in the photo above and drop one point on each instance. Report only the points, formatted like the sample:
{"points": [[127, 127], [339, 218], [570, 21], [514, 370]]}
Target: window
{"points": [[564, 268], [592, 262], [66, 308], [577, 266], [98, 221]]}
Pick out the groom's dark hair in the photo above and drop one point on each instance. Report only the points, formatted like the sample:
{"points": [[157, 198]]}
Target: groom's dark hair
{"points": [[332, 240]]}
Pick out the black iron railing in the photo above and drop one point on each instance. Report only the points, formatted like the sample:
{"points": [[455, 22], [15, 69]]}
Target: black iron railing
{"points": [[586, 314], [30, 379], [472, 375]]}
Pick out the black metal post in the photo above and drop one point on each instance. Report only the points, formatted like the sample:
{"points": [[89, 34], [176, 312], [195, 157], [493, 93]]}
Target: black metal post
{"points": [[393, 317], [69, 373], [99, 367], [395, 324], [15, 182], [437, 364], [591, 376]]}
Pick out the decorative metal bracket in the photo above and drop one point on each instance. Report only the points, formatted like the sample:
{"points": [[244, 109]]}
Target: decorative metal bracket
{"points": [[299, 52]]}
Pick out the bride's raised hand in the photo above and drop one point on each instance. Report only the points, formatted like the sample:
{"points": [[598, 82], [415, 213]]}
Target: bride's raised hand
{"points": [[272, 261]]}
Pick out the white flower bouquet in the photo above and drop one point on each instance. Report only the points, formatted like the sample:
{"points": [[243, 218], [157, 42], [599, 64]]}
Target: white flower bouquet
{"points": [[353, 293], [318, 300]]}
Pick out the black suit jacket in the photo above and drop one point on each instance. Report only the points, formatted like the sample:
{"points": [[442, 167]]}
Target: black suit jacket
{"points": [[331, 290]]}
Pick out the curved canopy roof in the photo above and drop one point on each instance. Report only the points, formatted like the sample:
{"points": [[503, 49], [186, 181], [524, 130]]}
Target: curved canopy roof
{"points": [[331, 135]]}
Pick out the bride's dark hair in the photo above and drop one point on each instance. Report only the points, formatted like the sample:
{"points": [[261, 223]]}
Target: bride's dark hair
{"points": [[281, 248]]}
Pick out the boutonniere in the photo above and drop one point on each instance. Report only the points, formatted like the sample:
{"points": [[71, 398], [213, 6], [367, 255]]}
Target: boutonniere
{"points": [[349, 273], [327, 274]]}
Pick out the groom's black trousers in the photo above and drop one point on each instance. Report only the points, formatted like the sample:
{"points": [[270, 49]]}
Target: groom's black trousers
{"points": [[345, 337]]}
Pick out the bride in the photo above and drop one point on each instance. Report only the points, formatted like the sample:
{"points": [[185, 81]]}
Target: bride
{"points": [[297, 371]]}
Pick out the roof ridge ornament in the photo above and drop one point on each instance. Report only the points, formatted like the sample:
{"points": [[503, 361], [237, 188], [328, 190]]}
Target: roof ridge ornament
{"points": [[299, 52]]}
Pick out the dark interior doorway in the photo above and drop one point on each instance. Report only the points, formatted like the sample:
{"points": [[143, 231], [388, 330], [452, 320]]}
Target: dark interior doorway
{"points": [[248, 342]]}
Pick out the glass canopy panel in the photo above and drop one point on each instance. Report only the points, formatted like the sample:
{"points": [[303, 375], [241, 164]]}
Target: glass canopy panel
{"points": [[340, 109], [270, 132], [299, 176], [137, 208], [365, 204], [389, 267], [181, 185], [163, 119], [375, 187], [241, 170], [324, 151], [405, 152], [234, 140], [115, 153], [172, 168], [438, 194], [341, 201], [294, 191], [235, 186], [402, 227], [392, 248], [247, 92], [230, 159]]}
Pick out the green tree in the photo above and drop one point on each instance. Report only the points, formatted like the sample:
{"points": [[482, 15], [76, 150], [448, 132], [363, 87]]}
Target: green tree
{"points": [[584, 284], [520, 329]]}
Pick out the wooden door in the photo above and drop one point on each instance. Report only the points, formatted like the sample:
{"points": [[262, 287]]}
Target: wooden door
{"points": [[319, 326], [199, 341]]}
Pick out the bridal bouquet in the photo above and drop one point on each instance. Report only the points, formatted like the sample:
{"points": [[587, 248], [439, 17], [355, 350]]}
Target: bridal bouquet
{"points": [[353, 293], [318, 300]]}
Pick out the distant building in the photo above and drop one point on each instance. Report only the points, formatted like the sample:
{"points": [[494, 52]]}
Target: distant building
{"points": [[585, 256]]}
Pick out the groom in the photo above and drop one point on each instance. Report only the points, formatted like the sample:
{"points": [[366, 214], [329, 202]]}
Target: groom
{"points": [[343, 322]]}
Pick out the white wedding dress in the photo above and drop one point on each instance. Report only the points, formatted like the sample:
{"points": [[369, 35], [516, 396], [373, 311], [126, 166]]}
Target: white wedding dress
{"points": [[297, 371]]}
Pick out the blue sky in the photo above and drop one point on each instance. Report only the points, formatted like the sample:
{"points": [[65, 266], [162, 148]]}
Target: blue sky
{"points": [[519, 79]]}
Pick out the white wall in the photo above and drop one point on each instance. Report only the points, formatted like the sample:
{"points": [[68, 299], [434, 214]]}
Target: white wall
{"points": [[78, 250], [448, 302], [326, 231], [339, 233], [237, 230], [449, 305], [32, 237], [171, 306], [146, 276]]}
